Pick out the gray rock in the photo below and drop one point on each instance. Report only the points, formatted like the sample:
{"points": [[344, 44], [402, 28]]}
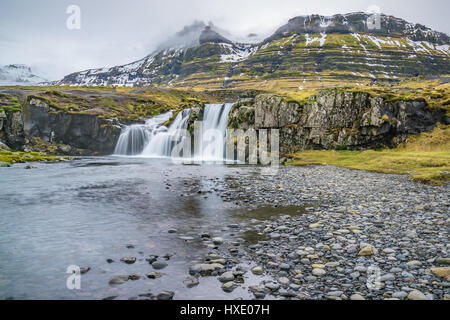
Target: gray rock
{"points": [[158, 265], [165, 295], [117, 280], [130, 260], [226, 276]]}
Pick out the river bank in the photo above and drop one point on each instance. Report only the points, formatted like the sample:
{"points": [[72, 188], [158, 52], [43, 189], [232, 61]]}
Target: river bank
{"points": [[144, 229]]}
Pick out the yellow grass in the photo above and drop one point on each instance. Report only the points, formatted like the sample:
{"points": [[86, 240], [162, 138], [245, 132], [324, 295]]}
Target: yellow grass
{"points": [[425, 158]]}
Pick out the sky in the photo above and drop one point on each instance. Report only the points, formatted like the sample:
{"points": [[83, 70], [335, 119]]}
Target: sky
{"points": [[112, 33]]}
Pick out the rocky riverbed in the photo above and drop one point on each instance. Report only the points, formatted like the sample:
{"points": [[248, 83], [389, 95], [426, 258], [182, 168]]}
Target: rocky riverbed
{"points": [[145, 229], [336, 234]]}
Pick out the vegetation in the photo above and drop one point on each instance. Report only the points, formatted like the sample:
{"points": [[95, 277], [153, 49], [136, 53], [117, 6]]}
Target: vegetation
{"points": [[425, 157], [9, 104], [107, 102], [11, 157]]}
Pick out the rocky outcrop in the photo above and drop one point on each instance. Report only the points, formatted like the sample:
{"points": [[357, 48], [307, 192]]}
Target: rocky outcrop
{"points": [[11, 129], [40, 127], [79, 130], [336, 119]]}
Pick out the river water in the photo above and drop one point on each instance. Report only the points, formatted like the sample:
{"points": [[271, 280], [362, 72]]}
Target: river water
{"points": [[86, 211]]}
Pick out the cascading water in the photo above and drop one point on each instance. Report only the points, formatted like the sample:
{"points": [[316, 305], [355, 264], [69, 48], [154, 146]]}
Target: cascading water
{"points": [[161, 144], [134, 138], [155, 140], [213, 135]]}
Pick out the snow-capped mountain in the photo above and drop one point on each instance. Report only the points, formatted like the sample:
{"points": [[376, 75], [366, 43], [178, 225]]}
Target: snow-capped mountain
{"points": [[308, 51], [18, 74]]}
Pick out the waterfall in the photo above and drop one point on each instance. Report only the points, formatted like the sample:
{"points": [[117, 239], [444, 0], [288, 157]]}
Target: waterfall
{"points": [[134, 138], [213, 134], [152, 139], [161, 144]]}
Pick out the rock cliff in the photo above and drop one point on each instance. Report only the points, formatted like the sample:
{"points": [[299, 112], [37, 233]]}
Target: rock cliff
{"points": [[336, 119]]}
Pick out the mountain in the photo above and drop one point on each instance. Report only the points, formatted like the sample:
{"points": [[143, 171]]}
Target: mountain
{"points": [[308, 52], [18, 74]]}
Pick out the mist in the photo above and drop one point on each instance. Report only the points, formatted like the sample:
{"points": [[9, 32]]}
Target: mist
{"points": [[117, 32]]}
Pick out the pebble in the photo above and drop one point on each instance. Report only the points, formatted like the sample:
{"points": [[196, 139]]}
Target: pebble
{"points": [[130, 260], [158, 265], [318, 272], [416, 295], [357, 297], [165, 295], [226, 276]]}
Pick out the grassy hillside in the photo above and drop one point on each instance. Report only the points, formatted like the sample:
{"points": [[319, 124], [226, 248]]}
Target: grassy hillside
{"points": [[425, 158], [123, 103]]}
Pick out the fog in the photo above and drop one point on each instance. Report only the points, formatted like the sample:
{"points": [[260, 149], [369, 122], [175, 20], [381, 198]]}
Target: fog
{"points": [[111, 33]]}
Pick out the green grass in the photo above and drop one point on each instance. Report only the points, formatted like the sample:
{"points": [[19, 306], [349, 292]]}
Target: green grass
{"points": [[11, 157], [425, 158]]}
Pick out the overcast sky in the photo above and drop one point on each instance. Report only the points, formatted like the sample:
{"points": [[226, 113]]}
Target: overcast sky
{"points": [[119, 32]]}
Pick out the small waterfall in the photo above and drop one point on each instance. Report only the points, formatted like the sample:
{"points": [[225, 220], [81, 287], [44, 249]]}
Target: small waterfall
{"points": [[152, 139], [214, 126], [134, 138], [163, 141]]}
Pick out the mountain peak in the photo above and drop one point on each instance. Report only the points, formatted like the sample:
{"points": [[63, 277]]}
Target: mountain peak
{"points": [[18, 74], [209, 35], [358, 22]]}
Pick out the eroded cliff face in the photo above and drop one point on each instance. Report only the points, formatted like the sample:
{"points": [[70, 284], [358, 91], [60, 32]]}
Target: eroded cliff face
{"points": [[11, 129], [40, 127], [335, 119]]}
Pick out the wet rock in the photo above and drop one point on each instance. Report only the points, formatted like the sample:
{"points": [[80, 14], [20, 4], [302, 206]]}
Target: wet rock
{"points": [[158, 265], [153, 275], [205, 269], [257, 291], [217, 240], [229, 286], [118, 280], [134, 277], [257, 271], [130, 260], [226, 276], [84, 270], [357, 296], [191, 282], [165, 295]]}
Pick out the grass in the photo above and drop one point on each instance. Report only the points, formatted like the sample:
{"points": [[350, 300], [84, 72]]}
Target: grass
{"points": [[9, 104], [425, 158], [11, 157], [123, 103]]}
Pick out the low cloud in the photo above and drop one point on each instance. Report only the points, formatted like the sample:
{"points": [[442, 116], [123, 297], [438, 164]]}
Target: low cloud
{"points": [[119, 32]]}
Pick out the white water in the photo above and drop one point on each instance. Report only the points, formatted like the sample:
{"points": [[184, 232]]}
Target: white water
{"points": [[134, 138], [213, 134], [161, 144], [154, 140]]}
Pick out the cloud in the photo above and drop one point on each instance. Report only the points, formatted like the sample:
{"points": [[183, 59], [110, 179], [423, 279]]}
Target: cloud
{"points": [[119, 32]]}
